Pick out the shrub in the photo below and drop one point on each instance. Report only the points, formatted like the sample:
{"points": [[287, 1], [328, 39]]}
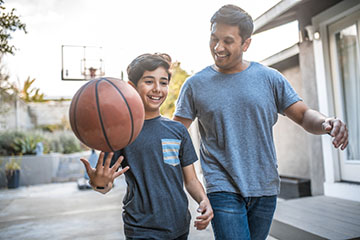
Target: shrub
{"points": [[7, 142], [64, 142], [24, 143], [27, 145]]}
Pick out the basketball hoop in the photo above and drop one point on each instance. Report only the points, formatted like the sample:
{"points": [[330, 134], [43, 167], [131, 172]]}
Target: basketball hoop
{"points": [[92, 68], [92, 72], [82, 63]]}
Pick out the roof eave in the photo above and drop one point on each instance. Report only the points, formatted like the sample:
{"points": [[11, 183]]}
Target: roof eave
{"points": [[276, 16]]}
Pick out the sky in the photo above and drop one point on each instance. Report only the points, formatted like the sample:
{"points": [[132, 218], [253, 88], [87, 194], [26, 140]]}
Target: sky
{"points": [[124, 29]]}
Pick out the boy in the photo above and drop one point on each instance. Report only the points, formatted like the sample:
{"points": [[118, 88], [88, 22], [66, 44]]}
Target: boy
{"points": [[160, 160]]}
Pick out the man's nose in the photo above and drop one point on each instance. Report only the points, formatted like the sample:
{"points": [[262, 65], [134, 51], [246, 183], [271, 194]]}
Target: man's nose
{"points": [[219, 47]]}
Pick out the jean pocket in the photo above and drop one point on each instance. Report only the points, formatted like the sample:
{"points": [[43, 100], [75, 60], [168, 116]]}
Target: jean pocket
{"points": [[171, 149]]}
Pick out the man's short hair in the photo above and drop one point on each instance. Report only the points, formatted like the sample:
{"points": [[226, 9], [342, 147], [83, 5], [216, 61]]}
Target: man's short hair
{"points": [[234, 16], [148, 62]]}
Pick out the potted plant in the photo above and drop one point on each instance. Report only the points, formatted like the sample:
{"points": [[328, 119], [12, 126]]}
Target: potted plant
{"points": [[12, 171]]}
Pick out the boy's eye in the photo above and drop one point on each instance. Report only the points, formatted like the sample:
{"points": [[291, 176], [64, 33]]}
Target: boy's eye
{"points": [[148, 81], [164, 83]]}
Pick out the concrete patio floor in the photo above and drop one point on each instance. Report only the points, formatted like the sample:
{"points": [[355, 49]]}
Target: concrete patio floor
{"points": [[61, 211]]}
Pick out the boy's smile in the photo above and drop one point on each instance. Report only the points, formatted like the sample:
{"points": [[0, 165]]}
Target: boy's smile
{"points": [[153, 90]]}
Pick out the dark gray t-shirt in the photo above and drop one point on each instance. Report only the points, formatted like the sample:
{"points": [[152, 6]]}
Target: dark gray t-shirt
{"points": [[236, 114], [155, 205]]}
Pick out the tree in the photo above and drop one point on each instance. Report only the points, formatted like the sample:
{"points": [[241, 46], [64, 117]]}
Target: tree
{"points": [[30, 94], [9, 22], [177, 79]]}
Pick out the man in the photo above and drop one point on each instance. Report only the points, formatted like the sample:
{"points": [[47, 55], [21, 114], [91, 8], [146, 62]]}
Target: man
{"points": [[236, 103]]}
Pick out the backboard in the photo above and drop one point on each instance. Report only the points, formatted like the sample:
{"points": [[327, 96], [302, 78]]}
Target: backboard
{"points": [[81, 63]]}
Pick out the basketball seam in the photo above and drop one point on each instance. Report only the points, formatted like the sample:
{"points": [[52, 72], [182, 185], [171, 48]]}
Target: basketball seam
{"points": [[129, 109], [99, 113], [75, 107]]}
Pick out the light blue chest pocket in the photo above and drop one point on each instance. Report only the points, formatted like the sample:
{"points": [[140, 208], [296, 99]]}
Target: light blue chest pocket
{"points": [[171, 148]]}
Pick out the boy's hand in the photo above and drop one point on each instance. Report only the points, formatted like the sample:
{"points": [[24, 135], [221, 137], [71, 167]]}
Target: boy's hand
{"points": [[207, 214], [103, 176]]}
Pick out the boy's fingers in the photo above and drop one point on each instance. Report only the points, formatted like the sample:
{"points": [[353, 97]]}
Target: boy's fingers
{"points": [[100, 160], [204, 219], [86, 164], [121, 172], [207, 215], [108, 160], [117, 164], [200, 225]]}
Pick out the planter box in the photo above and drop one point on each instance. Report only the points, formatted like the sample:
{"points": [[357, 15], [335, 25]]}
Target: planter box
{"points": [[47, 168], [13, 179], [291, 187]]}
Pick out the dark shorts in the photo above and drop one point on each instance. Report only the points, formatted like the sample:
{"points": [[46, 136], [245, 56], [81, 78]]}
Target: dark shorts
{"points": [[182, 237]]}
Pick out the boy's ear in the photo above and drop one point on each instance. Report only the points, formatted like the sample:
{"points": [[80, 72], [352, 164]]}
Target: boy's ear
{"points": [[132, 84]]}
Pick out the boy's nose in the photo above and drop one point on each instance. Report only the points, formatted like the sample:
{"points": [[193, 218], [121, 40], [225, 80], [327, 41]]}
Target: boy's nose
{"points": [[156, 87]]}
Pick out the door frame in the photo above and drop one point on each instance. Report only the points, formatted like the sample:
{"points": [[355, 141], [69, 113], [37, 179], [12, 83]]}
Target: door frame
{"points": [[333, 186], [349, 169]]}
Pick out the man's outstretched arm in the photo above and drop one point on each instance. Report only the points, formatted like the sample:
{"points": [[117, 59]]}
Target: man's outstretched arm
{"points": [[314, 122]]}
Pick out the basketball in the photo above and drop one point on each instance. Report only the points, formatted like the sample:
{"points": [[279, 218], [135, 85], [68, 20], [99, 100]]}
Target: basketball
{"points": [[106, 114]]}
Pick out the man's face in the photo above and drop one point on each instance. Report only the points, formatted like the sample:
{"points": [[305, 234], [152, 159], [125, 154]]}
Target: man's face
{"points": [[227, 48]]}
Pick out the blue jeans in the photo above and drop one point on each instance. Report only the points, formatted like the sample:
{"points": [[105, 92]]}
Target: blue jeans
{"points": [[236, 217]]}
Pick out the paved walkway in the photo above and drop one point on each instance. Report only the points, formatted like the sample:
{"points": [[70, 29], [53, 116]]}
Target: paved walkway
{"points": [[61, 211]]}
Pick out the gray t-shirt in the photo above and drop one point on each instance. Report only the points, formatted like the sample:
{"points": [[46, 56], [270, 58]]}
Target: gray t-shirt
{"points": [[236, 114], [155, 205]]}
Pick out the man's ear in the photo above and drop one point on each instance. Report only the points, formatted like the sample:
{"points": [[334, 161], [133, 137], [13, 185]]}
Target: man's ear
{"points": [[246, 44], [132, 84]]}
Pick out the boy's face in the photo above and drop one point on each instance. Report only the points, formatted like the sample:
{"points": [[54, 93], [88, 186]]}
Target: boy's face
{"points": [[227, 48], [153, 90]]}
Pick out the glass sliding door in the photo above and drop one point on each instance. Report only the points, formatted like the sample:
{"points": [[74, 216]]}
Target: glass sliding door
{"points": [[345, 63]]}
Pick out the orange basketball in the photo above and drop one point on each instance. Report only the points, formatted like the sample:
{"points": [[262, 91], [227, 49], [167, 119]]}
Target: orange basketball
{"points": [[106, 114]]}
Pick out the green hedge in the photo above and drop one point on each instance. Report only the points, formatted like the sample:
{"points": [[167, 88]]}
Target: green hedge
{"points": [[24, 142]]}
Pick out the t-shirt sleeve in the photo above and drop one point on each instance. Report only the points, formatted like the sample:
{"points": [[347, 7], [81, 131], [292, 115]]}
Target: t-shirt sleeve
{"points": [[185, 106], [285, 94], [187, 152]]}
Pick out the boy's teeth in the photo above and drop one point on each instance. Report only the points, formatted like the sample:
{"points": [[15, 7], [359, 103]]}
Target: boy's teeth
{"points": [[154, 98]]}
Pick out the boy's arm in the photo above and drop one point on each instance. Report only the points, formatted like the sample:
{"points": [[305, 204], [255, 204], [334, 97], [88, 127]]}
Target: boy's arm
{"points": [[196, 190]]}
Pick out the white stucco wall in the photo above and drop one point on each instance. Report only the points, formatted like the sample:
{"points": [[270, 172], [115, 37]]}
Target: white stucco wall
{"points": [[290, 139]]}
